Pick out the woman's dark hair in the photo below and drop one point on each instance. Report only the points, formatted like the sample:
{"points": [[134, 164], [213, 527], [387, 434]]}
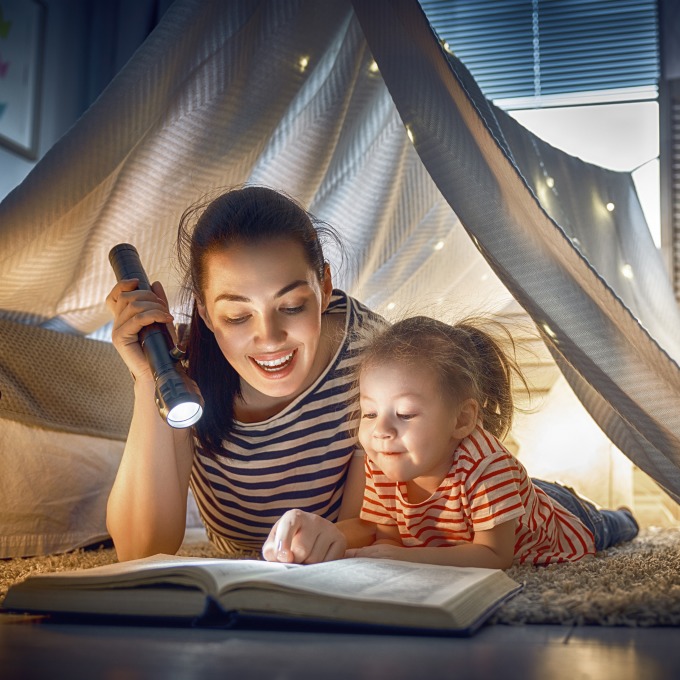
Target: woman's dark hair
{"points": [[249, 215], [468, 358]]}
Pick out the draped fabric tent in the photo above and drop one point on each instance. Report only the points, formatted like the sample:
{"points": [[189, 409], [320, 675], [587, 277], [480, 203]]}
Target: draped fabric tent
{"points": [[357, 111]]}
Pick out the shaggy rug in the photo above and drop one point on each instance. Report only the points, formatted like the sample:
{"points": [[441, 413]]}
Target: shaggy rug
{"points": [[635, 584]]}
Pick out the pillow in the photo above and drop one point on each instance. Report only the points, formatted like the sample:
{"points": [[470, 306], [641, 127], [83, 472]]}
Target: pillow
{"points": [[53, 489], [65, 408]]}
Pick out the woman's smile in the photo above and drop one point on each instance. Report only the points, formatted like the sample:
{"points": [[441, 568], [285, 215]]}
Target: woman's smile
{"points": [[276, 366]]}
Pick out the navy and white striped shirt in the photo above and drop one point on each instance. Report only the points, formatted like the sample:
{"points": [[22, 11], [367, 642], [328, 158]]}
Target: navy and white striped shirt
{"points": [[297, 459]]}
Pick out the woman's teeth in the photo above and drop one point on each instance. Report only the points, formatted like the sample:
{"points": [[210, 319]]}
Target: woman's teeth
{"points": [[275, 364]]}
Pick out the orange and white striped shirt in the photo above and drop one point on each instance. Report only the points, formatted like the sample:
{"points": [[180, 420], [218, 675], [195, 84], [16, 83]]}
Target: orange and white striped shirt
{"points": [[485, 486]]}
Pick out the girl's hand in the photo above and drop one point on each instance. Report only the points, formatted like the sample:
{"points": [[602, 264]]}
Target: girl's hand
{"points": [[304, 538], [386, 550], [133, 309]]}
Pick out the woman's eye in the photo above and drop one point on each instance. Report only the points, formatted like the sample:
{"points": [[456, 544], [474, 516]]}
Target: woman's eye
{"points": [[237, 319]]}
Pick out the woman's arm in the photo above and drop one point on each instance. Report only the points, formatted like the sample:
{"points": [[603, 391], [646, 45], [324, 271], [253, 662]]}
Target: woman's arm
{"points": [[357, 532], [306, 538], [493, 548], [146, 511]]}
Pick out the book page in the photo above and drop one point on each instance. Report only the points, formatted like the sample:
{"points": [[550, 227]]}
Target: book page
{"points": [[383, 580], [205, 573]]}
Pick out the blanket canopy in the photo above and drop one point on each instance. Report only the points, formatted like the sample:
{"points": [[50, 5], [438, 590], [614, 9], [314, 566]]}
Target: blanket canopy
{"points": [[445, 204]]}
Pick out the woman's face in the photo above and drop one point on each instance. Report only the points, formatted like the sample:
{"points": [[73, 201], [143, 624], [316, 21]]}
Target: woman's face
{"points": [[264, 303]]}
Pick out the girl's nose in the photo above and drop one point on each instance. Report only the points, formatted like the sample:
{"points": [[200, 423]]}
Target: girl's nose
{"points": [[384, 428]]}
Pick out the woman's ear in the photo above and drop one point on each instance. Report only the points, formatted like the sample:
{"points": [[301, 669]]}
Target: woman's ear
{"points": [[326, 287], [203, 313], [466, 420]]}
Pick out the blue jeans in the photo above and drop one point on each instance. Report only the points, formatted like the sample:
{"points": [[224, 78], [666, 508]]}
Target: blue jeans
{"points": [[608, 526]]}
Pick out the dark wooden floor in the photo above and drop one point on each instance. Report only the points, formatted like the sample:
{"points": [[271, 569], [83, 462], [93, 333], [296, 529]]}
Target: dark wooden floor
{"points": [[31, 650]]}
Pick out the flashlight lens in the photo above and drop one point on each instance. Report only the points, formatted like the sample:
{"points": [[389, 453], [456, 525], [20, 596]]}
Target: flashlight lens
{"points": [[184, 415]]}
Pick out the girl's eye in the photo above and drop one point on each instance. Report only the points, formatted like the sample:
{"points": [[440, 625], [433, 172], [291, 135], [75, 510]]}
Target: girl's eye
{"points": [[293, 310], [406, 416], [368, 415]]}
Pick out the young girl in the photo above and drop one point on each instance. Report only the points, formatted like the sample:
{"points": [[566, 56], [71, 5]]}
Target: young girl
{"points": [[440, 487], [270, 347]]}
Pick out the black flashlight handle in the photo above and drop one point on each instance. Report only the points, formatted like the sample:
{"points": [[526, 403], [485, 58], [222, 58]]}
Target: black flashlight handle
{"points": [[126, 264], [154, 338]]}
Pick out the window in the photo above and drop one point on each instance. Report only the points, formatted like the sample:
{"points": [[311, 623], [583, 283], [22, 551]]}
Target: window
{"points": [[537, 53]]}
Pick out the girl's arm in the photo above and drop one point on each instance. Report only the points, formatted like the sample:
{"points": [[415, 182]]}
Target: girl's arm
{"points": [[493, 548]]}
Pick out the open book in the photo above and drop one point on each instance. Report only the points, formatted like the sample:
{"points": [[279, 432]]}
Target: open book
{"points": [[386, 593]]}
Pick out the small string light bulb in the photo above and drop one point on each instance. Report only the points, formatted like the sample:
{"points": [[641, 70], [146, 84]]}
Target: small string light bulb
{"points": [[550, 182], [439, 245], [303, 63], [610, 206], [549, 331]]}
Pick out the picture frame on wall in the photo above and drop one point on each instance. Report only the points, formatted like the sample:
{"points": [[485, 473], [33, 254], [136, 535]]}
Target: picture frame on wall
{"points": [[22, 29]]}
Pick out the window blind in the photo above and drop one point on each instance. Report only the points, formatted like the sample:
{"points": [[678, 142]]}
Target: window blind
{"points": [[534, 52]]}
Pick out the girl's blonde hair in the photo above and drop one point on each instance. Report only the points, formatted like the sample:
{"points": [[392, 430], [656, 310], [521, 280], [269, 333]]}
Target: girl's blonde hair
{"points": [[469, 358]]}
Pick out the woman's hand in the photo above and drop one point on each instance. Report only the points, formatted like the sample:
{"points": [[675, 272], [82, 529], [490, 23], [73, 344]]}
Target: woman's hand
{"points": [[133, 309], [304, 538]]}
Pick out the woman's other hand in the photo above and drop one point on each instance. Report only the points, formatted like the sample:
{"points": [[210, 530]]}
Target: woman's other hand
{"points": [[304, 538]]}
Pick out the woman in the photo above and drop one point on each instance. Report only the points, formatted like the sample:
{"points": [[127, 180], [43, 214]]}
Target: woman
{"points": [[271, 347]]}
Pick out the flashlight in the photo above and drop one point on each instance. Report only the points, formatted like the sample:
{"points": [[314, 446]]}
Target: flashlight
{"points": [[177, 398]]}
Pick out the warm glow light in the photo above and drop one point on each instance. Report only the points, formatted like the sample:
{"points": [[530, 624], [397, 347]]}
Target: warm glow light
{"points": [[550, 182], [373, 67], [446, 46], [303, 63], [610, 206], [409, 132], [485, 277], [439, 245], [391, 306], [627, 271]]}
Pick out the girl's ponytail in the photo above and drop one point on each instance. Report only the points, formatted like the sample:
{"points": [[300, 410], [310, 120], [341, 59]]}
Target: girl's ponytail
{"points": [[494, 372]]}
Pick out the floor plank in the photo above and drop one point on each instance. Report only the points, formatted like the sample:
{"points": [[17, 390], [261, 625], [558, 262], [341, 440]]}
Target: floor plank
{"points": [[31, 651]]}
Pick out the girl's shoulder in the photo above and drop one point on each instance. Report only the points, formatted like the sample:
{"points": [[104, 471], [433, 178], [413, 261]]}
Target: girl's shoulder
{"points": [[481, 445]]}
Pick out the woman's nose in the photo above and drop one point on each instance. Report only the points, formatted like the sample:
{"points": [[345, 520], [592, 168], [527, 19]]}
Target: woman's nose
{"points": [[270, 331]]}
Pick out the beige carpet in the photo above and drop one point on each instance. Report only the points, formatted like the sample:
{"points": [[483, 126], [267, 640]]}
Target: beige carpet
{"points": [[636, 584]]}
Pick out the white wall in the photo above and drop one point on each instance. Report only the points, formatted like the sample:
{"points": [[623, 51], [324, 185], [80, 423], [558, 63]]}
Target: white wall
{"points": [[620, 136], [86, 43], [63, 78]]}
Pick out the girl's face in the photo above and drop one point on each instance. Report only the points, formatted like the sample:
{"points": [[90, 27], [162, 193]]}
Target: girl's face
{"points": [[407, 429], [264, 303]]}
